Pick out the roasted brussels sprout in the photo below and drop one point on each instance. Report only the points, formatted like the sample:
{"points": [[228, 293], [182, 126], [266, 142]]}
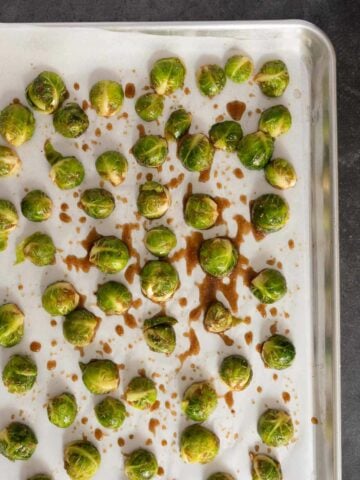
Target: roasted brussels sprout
{"points": [[149, 106], [100, 376], [11, 325], [17, 124], [79, 327], [275, 121], [70, 120], [141, 393], [153, 200], [236, 372], [36, 206], [10, 163], [265, 467], [17, 442], [167, 75], [8, 221], [211, 80], [150, 151], [269, 213], [62, 410], [226, 135], [81, 460], [196, 152], [110, 413], [112, 166], [113, 298], [218, 256], [273, 78], [159, 280], [178, 124], [280, 174], [198, 444], [159, 334], [97, 202], [66, 172], [239, 68], [109, 254], [141, 465], [218, 318], [201, 211], [38, 248], [160, 241], [60, 298], [106, 97], [221, 476], [40, 476], [199, 401], [255, 150], [269, 285], [19, 374], [278, 352], [46, 92], [275, 427]]}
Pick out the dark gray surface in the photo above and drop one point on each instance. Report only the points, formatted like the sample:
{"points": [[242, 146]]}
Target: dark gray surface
{"points": [[340, 20]]}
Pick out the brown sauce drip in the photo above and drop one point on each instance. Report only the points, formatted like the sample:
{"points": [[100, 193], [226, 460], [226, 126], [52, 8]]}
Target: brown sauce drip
{"points": [[243, 199], [82, 219], [130, 90], [153, 424], [314, 421], [64, 207], [85, 105], [141, 129], [229, 399], [236, 109], [84, 420], [119, 329], [261, 308], [98, 434], [286, 397], [64, 217], [219, 118], [121, 442], [275, 376], [204, 176], [74, 377], [98, 132], [273, 328], [155, 406], [76, 86], [35, 346], [134, 268], [109, 126], [259, 389], [51, 365], [226, 339], [291, 244], [190, 252], [248, 337], [243, 228], [222, 203], [187, 91], [273, 311], [160, 471], [194, 347], [238, 173], [130, 320], [107, 349], [183, 302], [137, 303], [176, 181], [271, 261], [149, 177]]}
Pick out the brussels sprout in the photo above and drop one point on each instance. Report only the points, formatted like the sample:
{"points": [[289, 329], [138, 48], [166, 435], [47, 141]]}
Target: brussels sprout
{"points": [[38, 248], [141, 393], [239, 68], [275, 427], [106, 97], [218, 256], [17, 124], [159, 280], [19, 374], [110, 413], [62, 410], [269, 213], [113, 298], [201, 211], [40, 476], [196, 152], [36, 206], [66, 172], [149, 106], [269, 285], [150, 151], [255, 150], [199, 401], [178, 124], [70, 120], [159, 334], [236, 372], [275, 121], [46, 92], [221, 476], [265, 467], [80, 327], [226, 135], [97, 202], [60, 298], [211, 80], [10, 163], [17, 442], [109, 254], [141, 465], [198, 444], [81, 460], [160, 241], [112, 166], [100, 376], [280, 174], [273, 78], [167, 75], [8, 221], [278, 352], [218, 318], [11, 325], [153, 200]]}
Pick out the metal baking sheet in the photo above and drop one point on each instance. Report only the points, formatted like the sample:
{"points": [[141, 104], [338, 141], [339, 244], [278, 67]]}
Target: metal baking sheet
{"points": [[309, 313]]}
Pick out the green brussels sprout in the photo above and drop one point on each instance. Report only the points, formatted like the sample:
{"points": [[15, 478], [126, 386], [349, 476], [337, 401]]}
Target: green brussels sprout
{"points": [[141, 393], [218, 318], [235, 372], [273, 78], [80, 327], [218, 256], [159, 334], [178, 124], [167, 75], [255, 150], [265, 467], [201, 211], [269, 213], [239, 68], [226, 135], [110, 413], [70, 120], [199, 401], [196, 152], [149, 106], [40, 476], [278, 352], [109, 254], [60, 298], [106, 97], [280, 174], [268, 286], [10, 163], [198, 444], [150, 151], [160, 241], [17, 442], [221, 476], [17, 124], [81, 460], [153, 200], [62, 410], [141, 465], [97, 202], [112, 166], [46, 92], [211, 80], [100, 376], [38, 248], [275, 121], [159, 280], [65, 172], [8, 221], [19, 374], [11, 325], [36, 206], [275, 427], [113, 298]]}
